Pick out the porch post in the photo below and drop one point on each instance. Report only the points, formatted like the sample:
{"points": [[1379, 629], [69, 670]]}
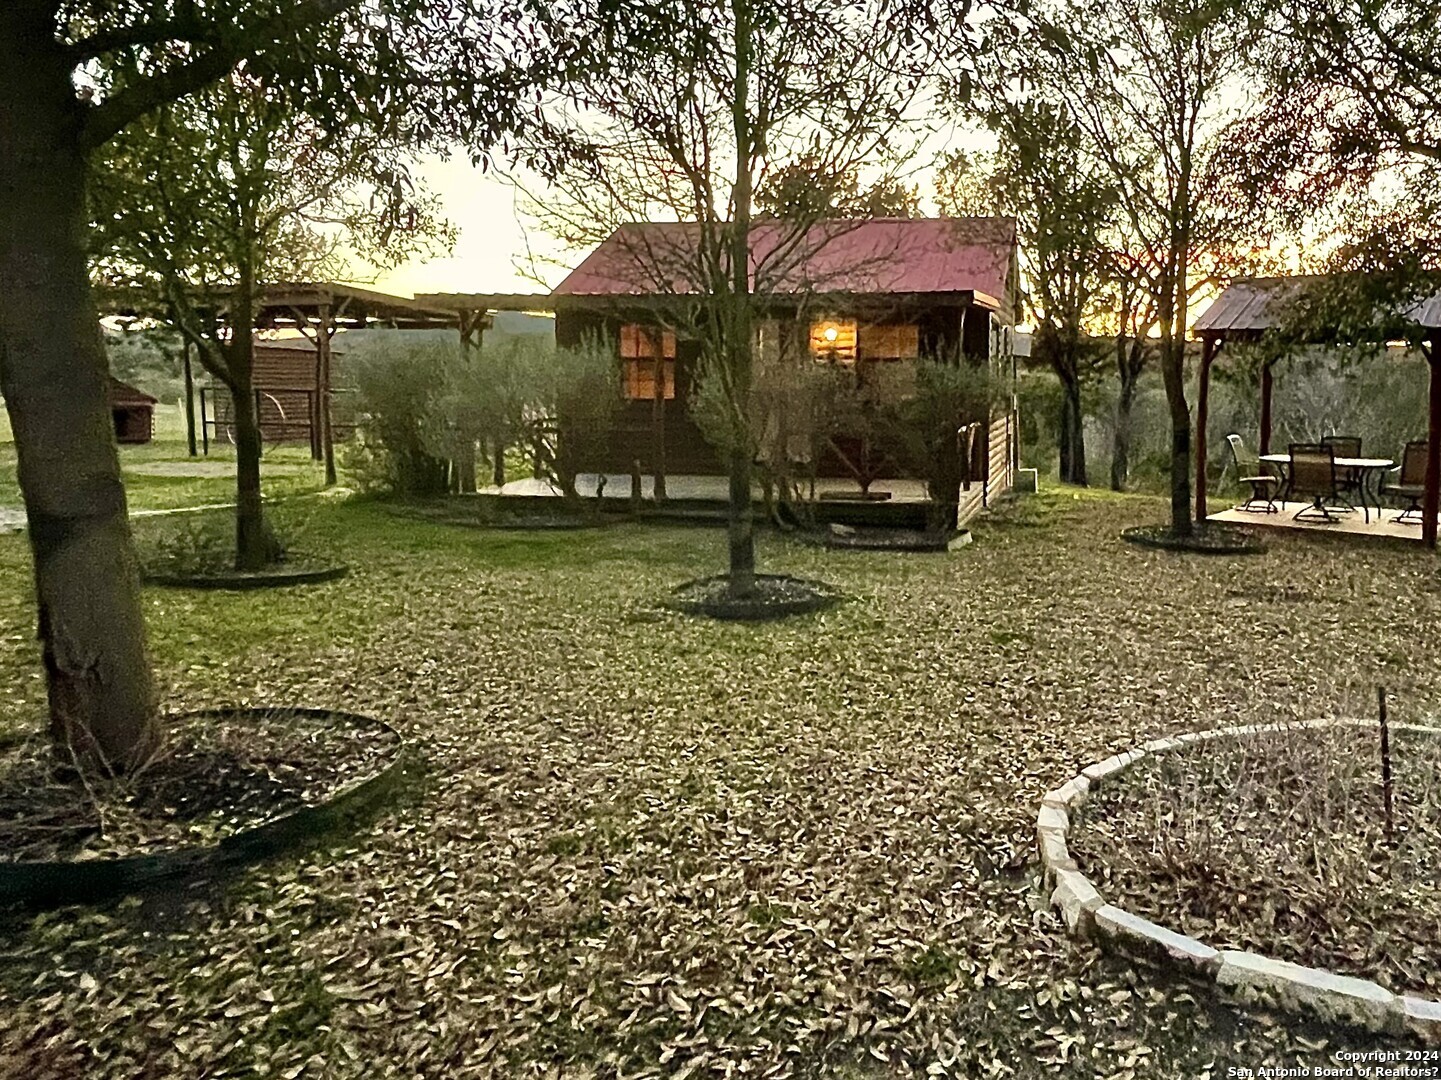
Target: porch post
{"points": [[657, 414], [1266, 407], [1209, 344], [1431, 501]]}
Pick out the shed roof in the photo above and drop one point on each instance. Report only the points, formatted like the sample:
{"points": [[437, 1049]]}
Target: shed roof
{"points": [[122, 393], [1251, 306], [883, 256]]}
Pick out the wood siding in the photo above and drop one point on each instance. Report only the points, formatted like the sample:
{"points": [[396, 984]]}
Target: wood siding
{"points": [[943, 331]]}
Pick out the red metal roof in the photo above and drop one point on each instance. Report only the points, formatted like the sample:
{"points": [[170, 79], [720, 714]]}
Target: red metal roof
{"points": [[880, 256]]}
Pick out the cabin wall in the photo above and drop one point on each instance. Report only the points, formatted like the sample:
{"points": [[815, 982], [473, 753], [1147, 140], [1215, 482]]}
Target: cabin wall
{"points": [[945, 333]]}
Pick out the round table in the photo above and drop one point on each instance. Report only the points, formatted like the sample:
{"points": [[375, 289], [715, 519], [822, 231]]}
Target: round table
{"points": [[1364, 467]]}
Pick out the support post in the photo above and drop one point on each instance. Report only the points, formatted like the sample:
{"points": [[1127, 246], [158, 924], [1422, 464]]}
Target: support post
{"points": [[189, 400], [657, 419], [1209, 346], [1266, 388], [322, 356], [1431, 500], [204, 424]]}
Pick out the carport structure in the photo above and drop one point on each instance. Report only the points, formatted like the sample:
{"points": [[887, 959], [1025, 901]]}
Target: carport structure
{"points": [[1251, 308]]}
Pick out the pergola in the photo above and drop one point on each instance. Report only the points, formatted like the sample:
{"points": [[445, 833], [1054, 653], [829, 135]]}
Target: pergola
{"points": [[318, 309], [1252, 307]]}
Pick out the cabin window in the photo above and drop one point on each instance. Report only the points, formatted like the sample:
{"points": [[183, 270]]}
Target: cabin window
{"points": [[833, 341], [890, 341], [637, 357]]}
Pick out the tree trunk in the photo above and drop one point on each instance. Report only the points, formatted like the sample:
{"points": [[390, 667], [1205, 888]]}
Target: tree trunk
{"points": [[1073, 430], [497, 471], [189, 402], [255, 543], [740, 517], [53, 376], [1121, 444], [740, 527], [1173, 372]]}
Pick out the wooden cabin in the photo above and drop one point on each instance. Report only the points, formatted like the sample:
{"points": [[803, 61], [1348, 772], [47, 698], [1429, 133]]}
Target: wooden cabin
{"points": [[860, 294], [133, 412]]}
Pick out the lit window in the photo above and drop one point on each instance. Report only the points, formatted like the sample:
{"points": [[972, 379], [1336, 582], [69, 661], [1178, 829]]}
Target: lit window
{"points": [[637, 355], [890, 341], [833, 341]]}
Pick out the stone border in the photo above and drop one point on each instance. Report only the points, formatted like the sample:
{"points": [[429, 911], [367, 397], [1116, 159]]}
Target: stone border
{"points": [[752, 609], [238, 580], [1158, 538], [1251, 978], [56, 882]]}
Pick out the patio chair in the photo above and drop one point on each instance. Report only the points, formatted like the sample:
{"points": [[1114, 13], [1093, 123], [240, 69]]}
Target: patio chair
{"points": [[1346, 446], [1314, 475], [1411, 483], [1250, 470]]}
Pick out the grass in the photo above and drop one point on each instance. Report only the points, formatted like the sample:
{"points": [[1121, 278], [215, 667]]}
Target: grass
{"points": [[285, 470], [657, 845]]}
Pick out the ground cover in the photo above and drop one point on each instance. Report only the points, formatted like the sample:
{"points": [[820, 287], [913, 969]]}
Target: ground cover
{"points": [[648, 844], [1277, 844]]}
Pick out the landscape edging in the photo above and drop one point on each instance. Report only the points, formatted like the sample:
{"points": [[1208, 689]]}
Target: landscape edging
{"points": [[258, 579], [54, 882], [1251, 978]]}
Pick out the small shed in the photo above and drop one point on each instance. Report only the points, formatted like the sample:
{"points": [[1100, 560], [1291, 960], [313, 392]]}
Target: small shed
{"points": [[133, 412]]}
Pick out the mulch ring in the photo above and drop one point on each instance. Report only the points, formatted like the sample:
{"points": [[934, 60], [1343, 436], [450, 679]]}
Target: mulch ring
{"points": [[219, 774], [1207, 538], [472, 513], [872, 538], [776, 596], [290, 572], [1276, 844]]}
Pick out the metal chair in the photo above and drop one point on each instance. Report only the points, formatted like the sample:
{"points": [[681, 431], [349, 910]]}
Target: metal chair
{"points": [[1249, 470], [1411, 484], [1314, 474], [1346, 446], [1343, 445]]}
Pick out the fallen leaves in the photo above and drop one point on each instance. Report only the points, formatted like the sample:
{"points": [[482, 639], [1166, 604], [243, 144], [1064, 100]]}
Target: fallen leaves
{"points": [[660, 846]]}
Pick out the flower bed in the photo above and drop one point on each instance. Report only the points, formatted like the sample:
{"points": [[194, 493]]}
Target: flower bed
{"points": [[1270, 847]]}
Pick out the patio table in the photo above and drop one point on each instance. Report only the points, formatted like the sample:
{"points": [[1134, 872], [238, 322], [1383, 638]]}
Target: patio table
{"points": [[1369, 471]]}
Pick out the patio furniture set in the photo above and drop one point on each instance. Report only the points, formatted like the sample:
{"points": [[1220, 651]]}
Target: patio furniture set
{"points": [[1330, 478]]}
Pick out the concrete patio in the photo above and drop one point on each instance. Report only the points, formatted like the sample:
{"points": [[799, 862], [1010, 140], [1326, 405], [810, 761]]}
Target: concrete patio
{"points": [[1382, 526]]}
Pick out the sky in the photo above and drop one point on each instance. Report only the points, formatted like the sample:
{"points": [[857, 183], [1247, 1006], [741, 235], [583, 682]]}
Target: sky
{"points": [[497, 247], [493, 251]]}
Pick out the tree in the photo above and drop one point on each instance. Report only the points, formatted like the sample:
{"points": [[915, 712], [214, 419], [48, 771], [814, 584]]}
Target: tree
{"points": [[203, 203], [1150, 84], [76, 74], [806, 190], [698, 108], [1065, 210]]}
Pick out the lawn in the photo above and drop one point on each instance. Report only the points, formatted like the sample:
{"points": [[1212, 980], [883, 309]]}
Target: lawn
{"points": [[153, 471], [649, 845]]}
